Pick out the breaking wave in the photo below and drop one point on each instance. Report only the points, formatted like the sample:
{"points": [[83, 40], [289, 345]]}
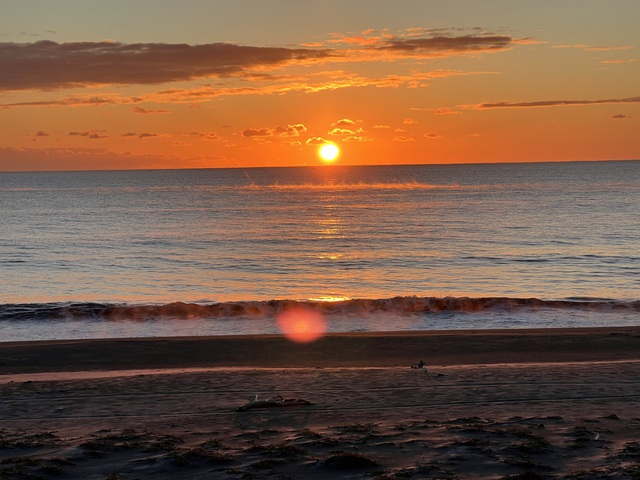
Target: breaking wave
{"points": [[270, 309]]}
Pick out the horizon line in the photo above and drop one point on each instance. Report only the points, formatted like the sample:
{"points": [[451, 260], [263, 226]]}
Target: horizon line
{"points": [[334, 165]]}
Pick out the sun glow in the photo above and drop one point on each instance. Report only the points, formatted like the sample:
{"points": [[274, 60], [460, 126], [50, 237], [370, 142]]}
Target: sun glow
{"points": [[329, 152]]}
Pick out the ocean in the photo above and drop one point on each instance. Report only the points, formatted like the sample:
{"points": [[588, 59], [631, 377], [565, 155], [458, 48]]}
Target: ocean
{"points": [[110, 254]]}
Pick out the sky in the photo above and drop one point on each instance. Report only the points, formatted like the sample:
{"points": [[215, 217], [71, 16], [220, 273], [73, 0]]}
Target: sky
{"points": [[145, 84]]}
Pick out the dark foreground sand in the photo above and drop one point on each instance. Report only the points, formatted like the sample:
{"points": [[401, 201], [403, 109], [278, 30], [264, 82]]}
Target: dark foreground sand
{"points": [[503, 404]]}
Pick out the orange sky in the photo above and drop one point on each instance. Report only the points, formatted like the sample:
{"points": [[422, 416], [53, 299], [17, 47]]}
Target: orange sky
{"points": [[160, 84]]}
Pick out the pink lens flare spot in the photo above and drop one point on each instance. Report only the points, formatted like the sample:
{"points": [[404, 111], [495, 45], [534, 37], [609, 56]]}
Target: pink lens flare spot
{"points": [[301, 324]]}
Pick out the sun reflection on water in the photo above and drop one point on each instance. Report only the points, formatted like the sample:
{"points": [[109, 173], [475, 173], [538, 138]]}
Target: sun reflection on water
{"points": [[330, 298]]}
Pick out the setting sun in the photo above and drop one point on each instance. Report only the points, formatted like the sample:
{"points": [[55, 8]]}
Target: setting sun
{"points": [[329, 152]]}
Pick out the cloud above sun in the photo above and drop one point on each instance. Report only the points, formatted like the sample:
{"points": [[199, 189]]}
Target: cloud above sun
{"points": [[48, 65]]}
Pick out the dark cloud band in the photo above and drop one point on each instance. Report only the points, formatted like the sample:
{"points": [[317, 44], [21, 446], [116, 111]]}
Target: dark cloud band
{"points": [[50, 65], [465, 43]]}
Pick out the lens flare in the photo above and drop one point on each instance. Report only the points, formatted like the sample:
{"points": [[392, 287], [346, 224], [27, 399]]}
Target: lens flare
{"points": [[301, 325]]}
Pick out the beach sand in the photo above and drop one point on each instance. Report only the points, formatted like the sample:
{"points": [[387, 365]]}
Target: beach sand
{"points": [[517, 404]]}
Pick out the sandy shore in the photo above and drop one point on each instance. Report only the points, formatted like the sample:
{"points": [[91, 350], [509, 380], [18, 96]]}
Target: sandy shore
{"points": [[489, 404]]}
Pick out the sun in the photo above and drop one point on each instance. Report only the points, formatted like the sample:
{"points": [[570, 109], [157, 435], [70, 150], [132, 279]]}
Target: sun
{"points": [[329, 152]]}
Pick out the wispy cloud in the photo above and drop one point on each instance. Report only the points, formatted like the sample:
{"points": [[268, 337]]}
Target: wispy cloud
{"points": [[619, 61], [92, 135], [595, 48], [257, 132], [311, 83], [145, 111], [425, 42], [316, 141], [144, 135], [207, 136], [434, 46], [342, 131], [551, 103], [437, 111], [72, 158], [288, 131], [402, 138], [77, 101], [357, 138], [344, 122]]}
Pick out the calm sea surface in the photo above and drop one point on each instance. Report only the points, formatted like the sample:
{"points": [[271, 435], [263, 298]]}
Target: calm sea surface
{"points": [[198, 252]]}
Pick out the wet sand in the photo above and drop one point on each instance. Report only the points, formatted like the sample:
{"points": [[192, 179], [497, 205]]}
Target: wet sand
{"points": [[488, 404]]}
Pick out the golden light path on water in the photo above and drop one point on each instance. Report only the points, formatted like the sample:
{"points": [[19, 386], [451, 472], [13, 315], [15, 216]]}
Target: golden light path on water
{"points": [[330, 298]]}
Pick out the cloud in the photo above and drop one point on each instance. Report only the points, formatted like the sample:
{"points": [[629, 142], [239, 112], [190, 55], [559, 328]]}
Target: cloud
{"points": [[382, 126], [290, 130], [143, 135], [345, 122], [313, 83], [446, 111], [27, 159], [257, 132], [341, 131], [357, 138], [552, 103], [92, 134], [78, 101], [438, 111], [435, 46], [316, 141], [432, 135], [426, 42], [590, 48], [48, 65], [145, 111], [409, 121], [41, 133], [402, 138], [210, 136], [619, 62], [620, 116]]}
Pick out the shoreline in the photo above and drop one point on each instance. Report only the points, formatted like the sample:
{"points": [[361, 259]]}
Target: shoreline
{"points": [[358, 349]]}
